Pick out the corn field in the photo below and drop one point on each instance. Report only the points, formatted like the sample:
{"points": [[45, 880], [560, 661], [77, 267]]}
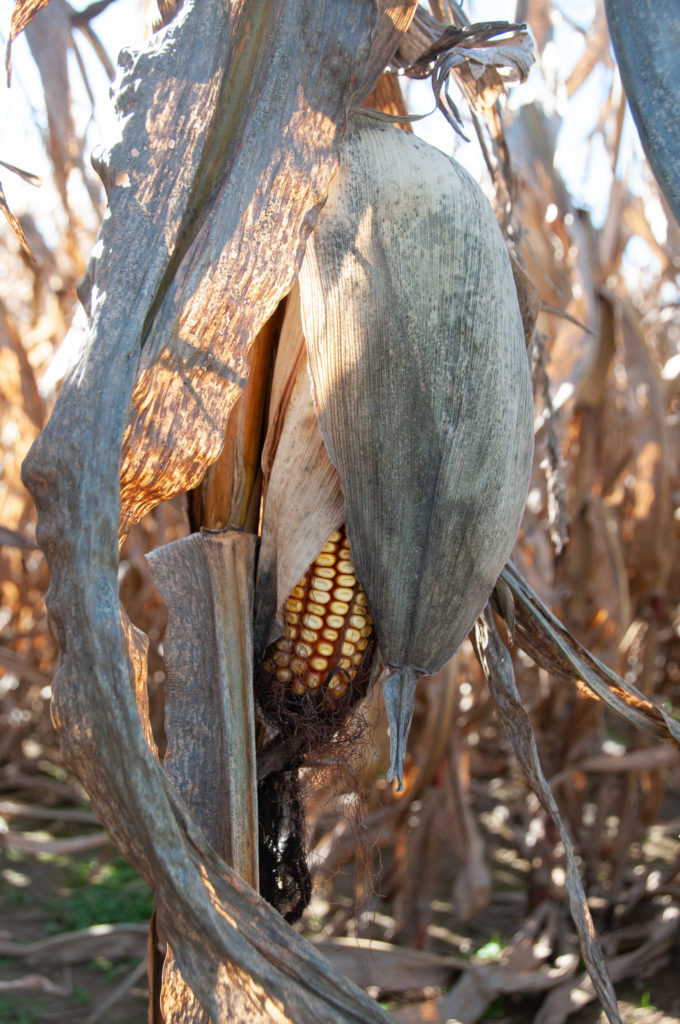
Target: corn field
{"points": [[340, 416]]}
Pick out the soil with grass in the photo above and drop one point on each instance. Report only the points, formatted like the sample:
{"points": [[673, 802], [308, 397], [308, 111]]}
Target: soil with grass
{"points": [[82, 913]]}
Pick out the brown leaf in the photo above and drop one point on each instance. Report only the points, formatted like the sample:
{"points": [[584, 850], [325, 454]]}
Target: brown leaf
{"points": [[230, 492], [390, 968], [497, 665], [33, 983], [190, 370], [27, 176], [641, 962], [15, 226], [528, 298], [26, 842], [115, 941], [21, 15], [551, 645]]}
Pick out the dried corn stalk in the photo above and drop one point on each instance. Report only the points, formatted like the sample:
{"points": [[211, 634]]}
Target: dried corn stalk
{"points": [[260, 135], [423, 396]]}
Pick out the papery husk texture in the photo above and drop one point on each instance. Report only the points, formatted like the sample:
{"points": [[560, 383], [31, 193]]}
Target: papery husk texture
{"points": [[303, 502], [421, 384]]}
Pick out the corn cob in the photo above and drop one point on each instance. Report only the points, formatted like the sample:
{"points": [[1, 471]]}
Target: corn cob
{"points": [[327, 626]]}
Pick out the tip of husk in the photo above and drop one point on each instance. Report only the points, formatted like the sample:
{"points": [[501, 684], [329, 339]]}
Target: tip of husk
{"points": [[398, 693]]}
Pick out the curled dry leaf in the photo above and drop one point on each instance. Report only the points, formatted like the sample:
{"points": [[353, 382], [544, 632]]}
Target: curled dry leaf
{"points": [[481, 59], [422, 388]]}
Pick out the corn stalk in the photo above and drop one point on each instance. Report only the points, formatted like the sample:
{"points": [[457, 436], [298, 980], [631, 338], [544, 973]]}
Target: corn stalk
{"points": [[210, 251]]}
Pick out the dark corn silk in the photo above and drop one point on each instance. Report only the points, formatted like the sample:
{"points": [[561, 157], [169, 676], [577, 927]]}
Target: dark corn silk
{"points": [[308, 683], [327, 627]]}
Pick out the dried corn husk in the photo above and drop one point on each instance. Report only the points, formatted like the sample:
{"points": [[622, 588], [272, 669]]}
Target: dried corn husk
{"points": [[303, 502], [422, 391]]}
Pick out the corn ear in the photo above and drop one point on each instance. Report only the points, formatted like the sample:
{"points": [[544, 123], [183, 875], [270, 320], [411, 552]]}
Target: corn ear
{"points": [[422, 392]]}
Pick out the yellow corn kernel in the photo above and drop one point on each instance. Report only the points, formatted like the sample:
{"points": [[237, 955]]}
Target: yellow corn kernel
{"points": [[337, 685], [327, 626]]}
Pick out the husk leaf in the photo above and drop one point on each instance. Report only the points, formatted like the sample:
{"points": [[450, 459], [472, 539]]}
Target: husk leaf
{"points": [[421, 384], [303, 500]]}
